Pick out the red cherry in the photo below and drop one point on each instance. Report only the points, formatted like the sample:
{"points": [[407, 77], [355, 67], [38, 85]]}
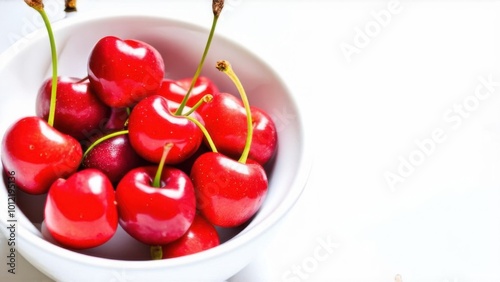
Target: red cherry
{"points": [[116, 121], [38, 154], [176, 90], [115, 157], [228, 192], [200, 236], [172, 90], [155, 215], [225, 119], [80, 212], [122, 72], [78, 110], [202, 86], [152, 125]]}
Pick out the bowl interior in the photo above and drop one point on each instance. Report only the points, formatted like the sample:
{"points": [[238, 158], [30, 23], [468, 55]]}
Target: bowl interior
{"points": [[26, 64]]}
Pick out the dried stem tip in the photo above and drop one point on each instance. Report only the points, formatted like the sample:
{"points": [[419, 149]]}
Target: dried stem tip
{"points": [[70, 6], [217, 6], [35, 4], [222, 65]]}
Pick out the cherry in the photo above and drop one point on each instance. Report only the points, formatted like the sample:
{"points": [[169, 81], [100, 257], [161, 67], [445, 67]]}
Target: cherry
{"points": [[176, 90], [116, 121], [38, 153], [230, 192], [225, 119], [203, 85], [113, 156], [156, 205], [80, 212], [151, 125], [122, 72], [78, 110], [200, 236]]}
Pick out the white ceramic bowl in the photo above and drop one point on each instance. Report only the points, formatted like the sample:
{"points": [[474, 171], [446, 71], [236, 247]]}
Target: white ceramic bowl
{"points": [[26, 64]]}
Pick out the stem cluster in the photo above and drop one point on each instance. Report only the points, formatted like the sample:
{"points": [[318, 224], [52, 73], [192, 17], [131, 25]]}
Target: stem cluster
{"points": [[217, 6]]}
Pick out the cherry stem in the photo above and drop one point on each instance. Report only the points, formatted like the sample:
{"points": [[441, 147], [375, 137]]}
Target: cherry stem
{"points": [[38, 6], [156, 252], [225, 67], [217, 6], [102, 139], [70, 6], [159, 171], [205, 133], [83, 79], [205, 99]]}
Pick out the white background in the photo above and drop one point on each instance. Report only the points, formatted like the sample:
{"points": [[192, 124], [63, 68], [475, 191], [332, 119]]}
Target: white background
{"points": [[410, 101]]}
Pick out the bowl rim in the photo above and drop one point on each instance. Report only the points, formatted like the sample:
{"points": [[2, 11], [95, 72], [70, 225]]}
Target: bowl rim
{"points": [[297, 187]]}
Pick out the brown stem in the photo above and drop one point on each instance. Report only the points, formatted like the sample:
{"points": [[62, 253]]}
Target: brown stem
{"points": [[35, 4], [217, 6], [70, 6]]}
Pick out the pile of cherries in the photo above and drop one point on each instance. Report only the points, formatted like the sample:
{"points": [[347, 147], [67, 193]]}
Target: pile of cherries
{"points": [[167, 160]]}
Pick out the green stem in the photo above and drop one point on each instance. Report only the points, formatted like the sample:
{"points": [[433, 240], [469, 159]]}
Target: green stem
{"points": [[205, 133], [102, 139], [225, 67], [200, 66], [52, 108], [205, 99], [159, 171]]}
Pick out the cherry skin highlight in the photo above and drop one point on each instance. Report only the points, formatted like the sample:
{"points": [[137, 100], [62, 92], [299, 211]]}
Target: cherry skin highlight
{"points": [[175, 90]]}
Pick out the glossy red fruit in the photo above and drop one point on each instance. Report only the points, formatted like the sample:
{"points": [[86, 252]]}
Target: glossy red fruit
{"points": [[78, 110], [152, 125], [156, 216], [80, 212], [172, 90], [38, 154], [228, 192], [226, 121], [200, 236], [123, 72], [203, 85], [116, 121], [114, 157], [175, 90]]}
